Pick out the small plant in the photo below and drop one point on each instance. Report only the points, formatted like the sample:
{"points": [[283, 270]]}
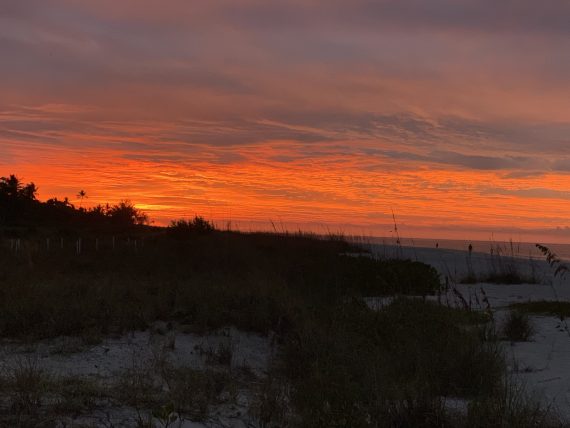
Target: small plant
{"points": [[221, 355], [191, 392], [224, 354], [510, 406], [518, 327], [77, 394], [28, 383], [272, 407], [165, 415], [139, 386], [560, 268]]}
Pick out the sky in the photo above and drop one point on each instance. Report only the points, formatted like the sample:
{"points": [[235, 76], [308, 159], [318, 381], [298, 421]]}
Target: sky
{"points": [[324, 115]]}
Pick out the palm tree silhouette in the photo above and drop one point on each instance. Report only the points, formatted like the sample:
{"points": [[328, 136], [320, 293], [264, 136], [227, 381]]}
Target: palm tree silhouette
{"points": [[10, 186], [29, 191], [81, 195]]}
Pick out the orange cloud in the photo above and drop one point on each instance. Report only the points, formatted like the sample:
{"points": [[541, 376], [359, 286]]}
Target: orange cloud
{"points": [[351, 192]]}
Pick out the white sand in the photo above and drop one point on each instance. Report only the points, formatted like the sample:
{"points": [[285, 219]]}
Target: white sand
{"points": [[106, 362]]}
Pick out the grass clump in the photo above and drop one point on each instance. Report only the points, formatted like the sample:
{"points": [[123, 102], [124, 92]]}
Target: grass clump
{"points": [[77, 395], [253, 281], [389, 368], [507, 274], [192, 392], [390, 277], [510, 406], [506, 265], [510, 278], [544, 307], [518, 327], [185, 391], [28, 385], [272, 407]]}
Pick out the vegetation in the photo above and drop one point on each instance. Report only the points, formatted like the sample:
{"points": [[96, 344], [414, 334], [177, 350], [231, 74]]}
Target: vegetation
{"points": [[21, 212], [544, 307], [186, 229], [392, 366], [340, 363], [518, 327], [560, 268], [505, 266]]}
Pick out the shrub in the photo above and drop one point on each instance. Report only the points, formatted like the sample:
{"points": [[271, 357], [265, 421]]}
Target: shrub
{"points": [[184, 229], [192, 392], [518, 327], [555, 308], [388, 277], [28, 383], [389, 368], [510, 406]]}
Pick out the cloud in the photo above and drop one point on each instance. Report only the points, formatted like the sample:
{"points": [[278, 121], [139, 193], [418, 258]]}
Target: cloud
{"points": [[562, 165], [534, 193], [303, 107], [484, 162], [475, 15], [311, 134]]}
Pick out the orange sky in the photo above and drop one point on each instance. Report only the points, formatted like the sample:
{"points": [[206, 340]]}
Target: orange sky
{"points": [[311, 114]]}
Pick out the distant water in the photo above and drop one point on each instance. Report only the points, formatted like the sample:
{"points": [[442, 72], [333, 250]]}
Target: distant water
{"points": [[517, 249]]}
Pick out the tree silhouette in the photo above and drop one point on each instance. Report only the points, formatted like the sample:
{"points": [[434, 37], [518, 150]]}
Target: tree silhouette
{"points": [[81, 195], [29, 191], [126, 214], [19, 207], [17, 202], [10, 186]]}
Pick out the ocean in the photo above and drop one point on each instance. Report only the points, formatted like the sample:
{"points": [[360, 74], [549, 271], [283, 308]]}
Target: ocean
{"points": [[516, 249]]}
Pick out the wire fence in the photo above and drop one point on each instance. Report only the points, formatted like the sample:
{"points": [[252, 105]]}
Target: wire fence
{"points": [[77, 245]]}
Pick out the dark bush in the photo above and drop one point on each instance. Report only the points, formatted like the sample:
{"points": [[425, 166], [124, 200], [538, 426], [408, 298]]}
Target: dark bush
{"points": [[184, 229]]}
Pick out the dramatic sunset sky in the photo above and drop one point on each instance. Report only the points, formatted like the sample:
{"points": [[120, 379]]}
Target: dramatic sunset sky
{"points": [[318, 114]]}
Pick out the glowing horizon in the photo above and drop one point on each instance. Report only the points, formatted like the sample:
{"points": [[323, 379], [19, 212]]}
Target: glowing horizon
{"points": [[322, 115]]}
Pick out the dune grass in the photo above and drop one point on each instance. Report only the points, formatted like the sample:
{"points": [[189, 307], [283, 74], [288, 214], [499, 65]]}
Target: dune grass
{"points": [[341, 363], [544, 307], [254, 282], [395, 366]]}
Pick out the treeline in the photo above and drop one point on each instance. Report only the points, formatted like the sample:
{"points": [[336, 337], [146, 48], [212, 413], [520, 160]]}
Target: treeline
{"points": [[20, 208]]}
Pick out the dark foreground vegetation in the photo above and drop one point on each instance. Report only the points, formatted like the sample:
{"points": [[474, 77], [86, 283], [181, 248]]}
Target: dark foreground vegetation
{"points": [[543, 307], [340, 363]]}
